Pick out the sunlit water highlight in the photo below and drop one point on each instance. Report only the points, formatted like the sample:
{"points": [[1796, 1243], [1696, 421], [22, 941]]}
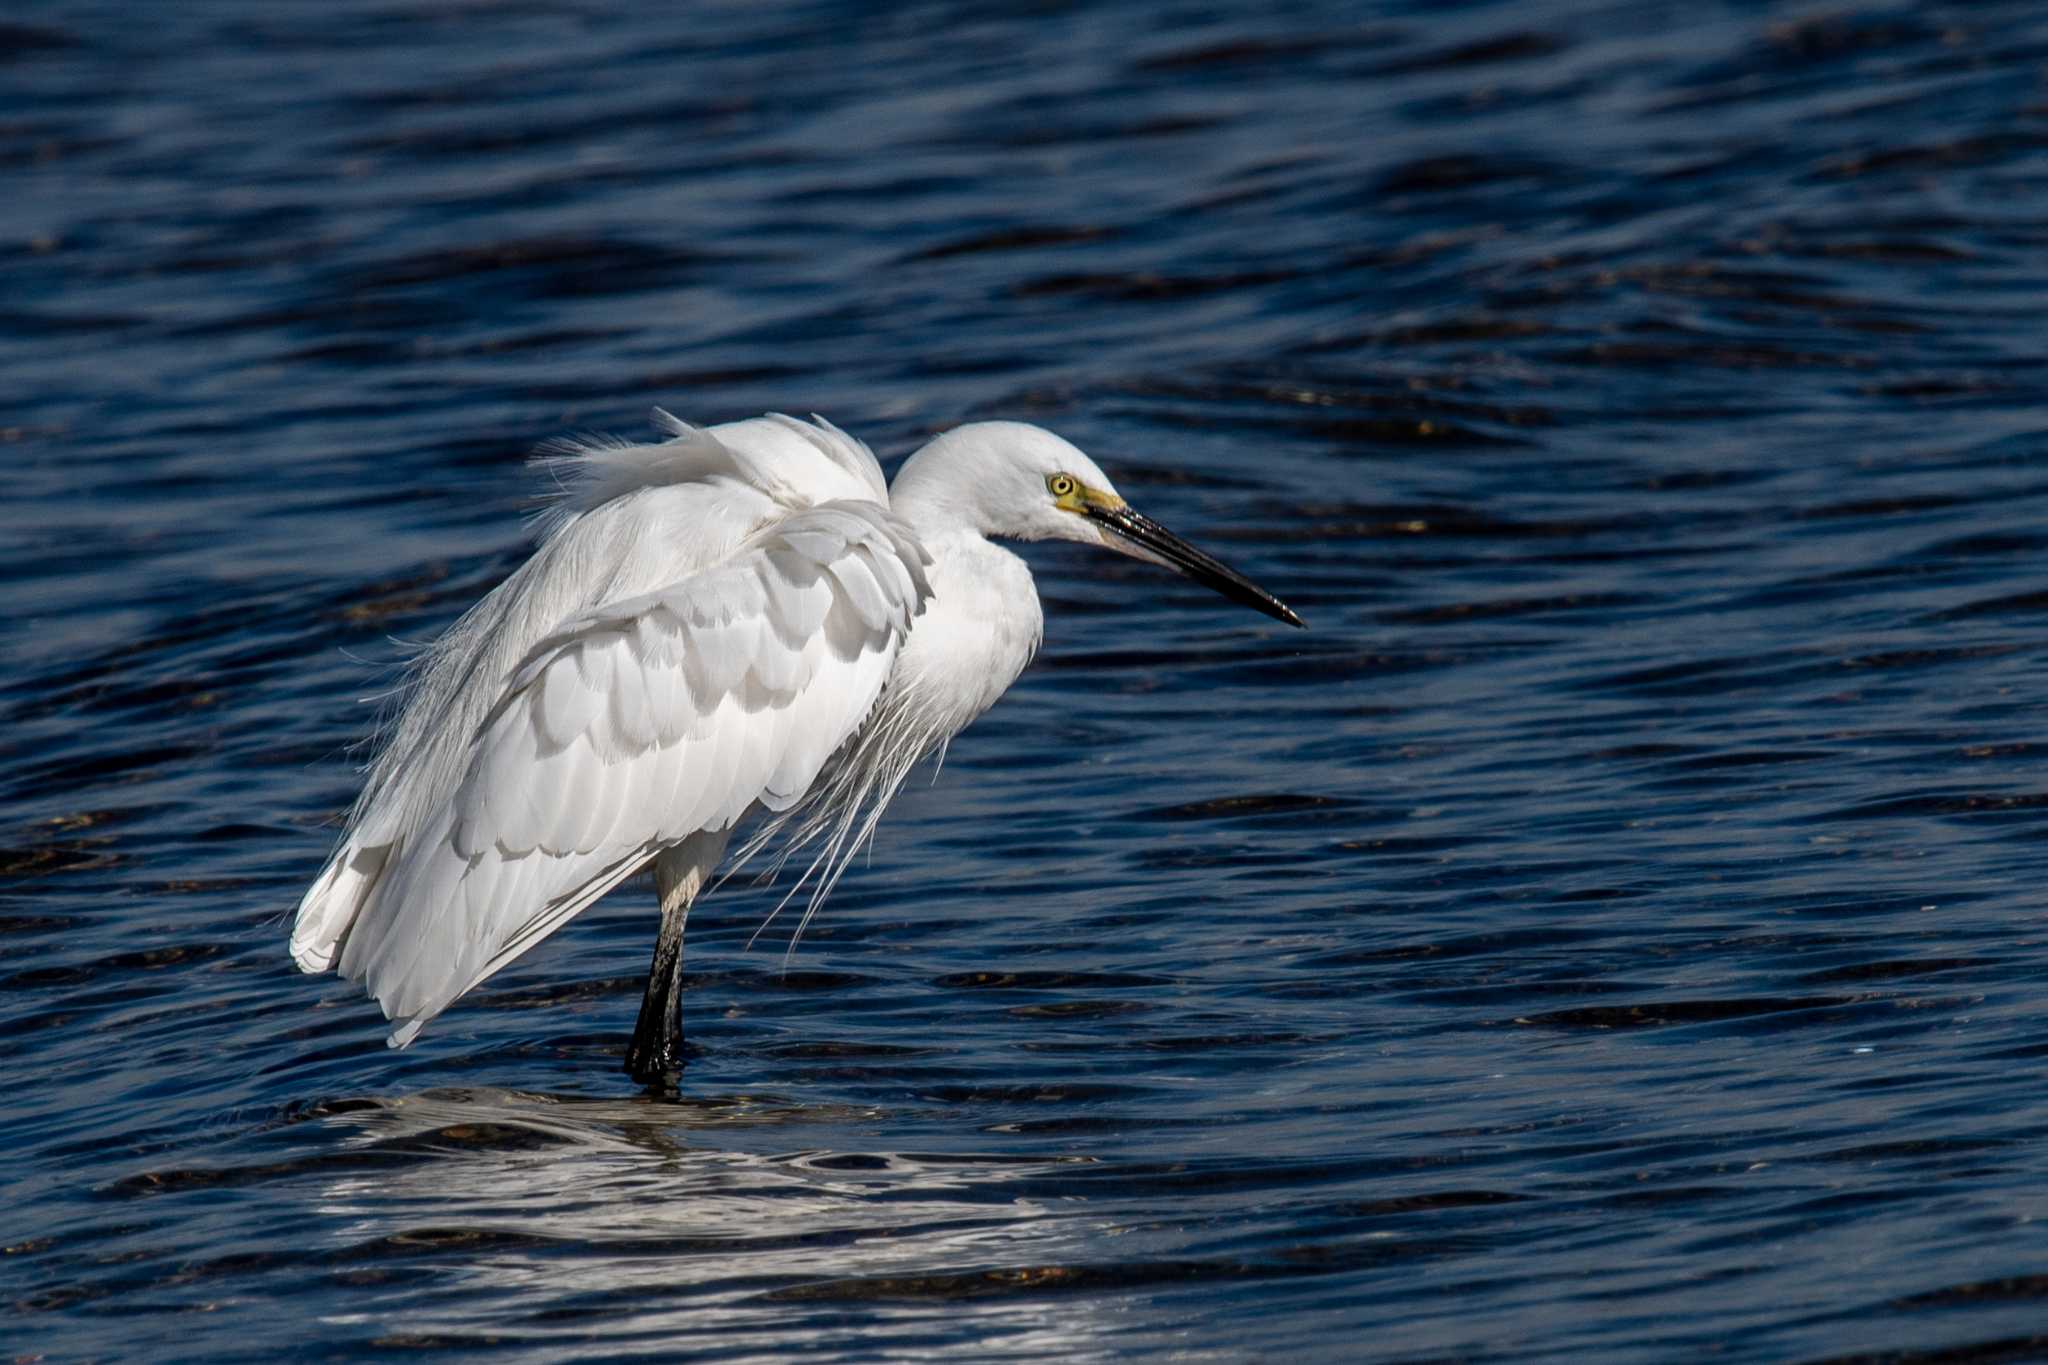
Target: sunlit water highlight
{"points": [[1614, 932]]}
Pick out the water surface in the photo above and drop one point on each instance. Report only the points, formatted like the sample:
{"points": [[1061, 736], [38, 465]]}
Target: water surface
{"points": [[1615, 931]]}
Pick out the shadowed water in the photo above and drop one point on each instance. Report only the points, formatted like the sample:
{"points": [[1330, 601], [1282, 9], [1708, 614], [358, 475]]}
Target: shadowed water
{"points": [[1615, 931]]}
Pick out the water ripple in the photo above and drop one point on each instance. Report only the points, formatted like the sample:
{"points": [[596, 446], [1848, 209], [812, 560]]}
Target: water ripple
{"points": [[1610, 933]]}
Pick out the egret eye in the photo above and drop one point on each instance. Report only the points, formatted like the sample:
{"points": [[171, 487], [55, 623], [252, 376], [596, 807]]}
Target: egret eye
{"points": [[1062, 485]]}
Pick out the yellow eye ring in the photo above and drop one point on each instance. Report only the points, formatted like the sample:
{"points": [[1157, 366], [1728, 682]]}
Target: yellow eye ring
{"points": [[1062, 485]]}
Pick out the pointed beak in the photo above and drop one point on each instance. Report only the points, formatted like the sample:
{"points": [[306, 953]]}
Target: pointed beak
{"points": [[1143, 538]]}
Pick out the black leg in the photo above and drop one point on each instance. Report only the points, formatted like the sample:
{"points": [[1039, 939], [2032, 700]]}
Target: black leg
{"points": [[656, 1053], [655, 1056]]}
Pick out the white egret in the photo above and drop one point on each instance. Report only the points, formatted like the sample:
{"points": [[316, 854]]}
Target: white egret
{"points": [[742, 618]]}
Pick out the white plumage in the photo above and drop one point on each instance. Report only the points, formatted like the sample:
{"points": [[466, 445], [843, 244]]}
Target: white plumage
{"points": [[737, 619]]}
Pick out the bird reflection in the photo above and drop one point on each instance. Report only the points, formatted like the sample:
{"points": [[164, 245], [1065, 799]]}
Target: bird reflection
{"points": [[713, 1220]]}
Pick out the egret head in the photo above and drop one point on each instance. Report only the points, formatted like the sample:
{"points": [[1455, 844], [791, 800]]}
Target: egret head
{"points": [[1017, 480]]}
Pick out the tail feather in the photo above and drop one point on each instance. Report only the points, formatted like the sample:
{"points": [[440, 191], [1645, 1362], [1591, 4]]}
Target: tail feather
{"points": [[334, 903]]}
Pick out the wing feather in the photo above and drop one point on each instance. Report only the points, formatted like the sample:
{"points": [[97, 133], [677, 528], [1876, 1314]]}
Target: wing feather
{"points": [[632, 727], [720, 762], [857, 580], [566, 706]]}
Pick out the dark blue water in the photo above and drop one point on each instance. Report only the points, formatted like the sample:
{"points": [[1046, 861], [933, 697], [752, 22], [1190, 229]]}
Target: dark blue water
{"points": [[1617, 931]]}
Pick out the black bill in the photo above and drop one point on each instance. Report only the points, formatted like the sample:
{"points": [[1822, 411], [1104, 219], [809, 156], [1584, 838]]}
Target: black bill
{"points": [[1147, 539]]}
